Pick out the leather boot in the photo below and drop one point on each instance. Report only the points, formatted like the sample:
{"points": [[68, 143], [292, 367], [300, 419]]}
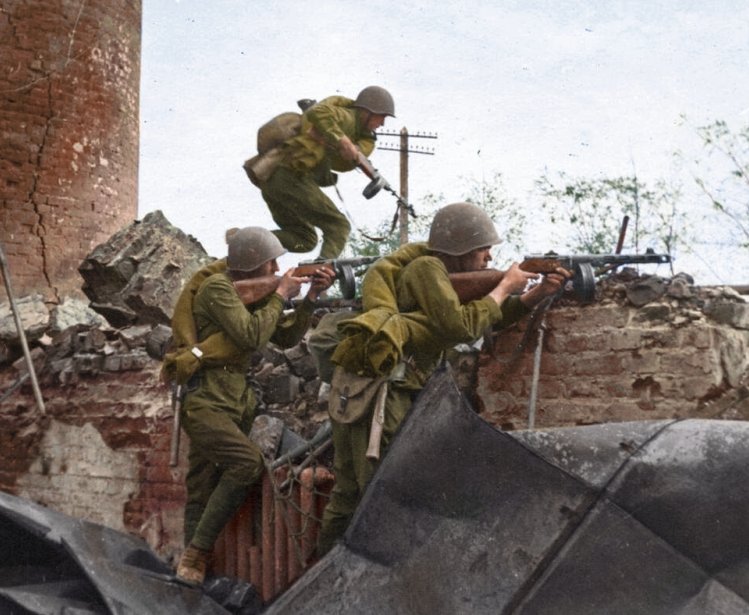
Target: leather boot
{"points": [[193, 565]]}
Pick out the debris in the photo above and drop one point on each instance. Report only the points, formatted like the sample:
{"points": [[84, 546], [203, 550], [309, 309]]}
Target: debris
{"points": [[136, 276], [646, 290], [53, 563], [615, 518]]}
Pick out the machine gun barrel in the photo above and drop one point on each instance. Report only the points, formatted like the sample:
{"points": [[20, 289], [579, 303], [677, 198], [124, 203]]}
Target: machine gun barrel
{"points": [[547, 263], [584, 267]]}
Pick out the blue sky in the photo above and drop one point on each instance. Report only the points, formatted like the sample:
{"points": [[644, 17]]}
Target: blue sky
{"points": [[592, 89]]}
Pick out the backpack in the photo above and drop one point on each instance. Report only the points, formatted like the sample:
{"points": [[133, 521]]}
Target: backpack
{"points": [[269, 138]]}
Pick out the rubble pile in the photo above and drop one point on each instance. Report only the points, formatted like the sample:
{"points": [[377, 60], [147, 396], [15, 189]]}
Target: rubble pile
{"points": [[134, 279], [132, 282], [649, 347]]}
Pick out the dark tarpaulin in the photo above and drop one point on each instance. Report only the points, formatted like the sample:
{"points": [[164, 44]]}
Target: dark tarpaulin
{"points": [[631, 518], [54, 564]]}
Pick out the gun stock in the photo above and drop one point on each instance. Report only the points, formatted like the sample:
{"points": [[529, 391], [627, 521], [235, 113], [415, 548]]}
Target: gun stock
{"points": [[254, 289], [366, 166], [472, 285]]}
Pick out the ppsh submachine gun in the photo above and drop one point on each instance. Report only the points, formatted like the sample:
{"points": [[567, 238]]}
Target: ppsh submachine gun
{"points": [[377, 183], [583, 267], [344, 268]]}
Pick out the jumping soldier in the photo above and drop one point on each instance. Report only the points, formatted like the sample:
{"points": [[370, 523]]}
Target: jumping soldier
{"points": [[411, 316], [218, 408], [333, 132]]}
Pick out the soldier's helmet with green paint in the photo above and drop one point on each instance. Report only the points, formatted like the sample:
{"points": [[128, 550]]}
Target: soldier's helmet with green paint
{"points": [[459, 228], [375, 99], [251, 247]]}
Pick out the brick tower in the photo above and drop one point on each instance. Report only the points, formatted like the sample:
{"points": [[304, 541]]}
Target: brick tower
{"points": [[69, 93]]}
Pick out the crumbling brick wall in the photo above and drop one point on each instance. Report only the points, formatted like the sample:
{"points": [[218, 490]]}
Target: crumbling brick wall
{"points": [[101, 452], [685, 354], [69, 126]]}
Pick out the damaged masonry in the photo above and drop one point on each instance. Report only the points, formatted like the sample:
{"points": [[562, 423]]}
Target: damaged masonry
{"points": [[648, 356]]}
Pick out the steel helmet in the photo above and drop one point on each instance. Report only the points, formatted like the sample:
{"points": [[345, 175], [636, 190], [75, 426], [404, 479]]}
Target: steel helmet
{"points": [[375, 99], [251, 247], [459, 228]]}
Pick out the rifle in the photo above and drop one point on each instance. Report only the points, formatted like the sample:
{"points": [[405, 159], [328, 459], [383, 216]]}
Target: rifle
{"points": [[254, 289], [476, 284]]}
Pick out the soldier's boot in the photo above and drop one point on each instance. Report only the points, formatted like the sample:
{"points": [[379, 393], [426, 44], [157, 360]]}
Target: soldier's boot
{"points": [[193, 565]]}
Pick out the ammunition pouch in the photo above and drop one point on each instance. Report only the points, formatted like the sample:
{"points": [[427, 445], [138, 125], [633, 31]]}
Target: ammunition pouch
{"points": [[351, 396]]}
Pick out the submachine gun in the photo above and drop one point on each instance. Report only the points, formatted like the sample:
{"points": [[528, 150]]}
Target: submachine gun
{"points": [[254, 289], [344, 268], [377, 183], [584, 268]]}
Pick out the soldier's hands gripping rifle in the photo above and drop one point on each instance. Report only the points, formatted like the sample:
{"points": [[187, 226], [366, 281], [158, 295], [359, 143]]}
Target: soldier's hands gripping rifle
{"points": [[477, 284], [254, 289]]}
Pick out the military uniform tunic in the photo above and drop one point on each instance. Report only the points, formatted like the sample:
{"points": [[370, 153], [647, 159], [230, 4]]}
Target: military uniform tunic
{"points": [[435, 321], [218, 409], [292, 192]]}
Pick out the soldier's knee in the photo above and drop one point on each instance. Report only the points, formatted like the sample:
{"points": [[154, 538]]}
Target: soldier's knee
{"points": [[246, 470]]}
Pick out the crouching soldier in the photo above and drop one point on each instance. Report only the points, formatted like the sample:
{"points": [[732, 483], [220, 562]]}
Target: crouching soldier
{"points": [[218, 408], [411, 315]]}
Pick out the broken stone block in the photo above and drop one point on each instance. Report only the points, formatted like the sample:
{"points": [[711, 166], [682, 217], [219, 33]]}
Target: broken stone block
{"points": [[731, 314], [295, 353], [305, 367], [267, 432], [283, 387], [33, 315], [134, 337], [74, 312], [679, 288], [64, 343], [273, 354], [646, 290], [136, 276], [92, 340], [264, 374], [87, 363], [158, 341], [655, 312], [38, 358], [125, 361]]}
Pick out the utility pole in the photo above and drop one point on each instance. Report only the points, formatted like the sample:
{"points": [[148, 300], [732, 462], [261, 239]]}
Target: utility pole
{"points": [[404, 148]]}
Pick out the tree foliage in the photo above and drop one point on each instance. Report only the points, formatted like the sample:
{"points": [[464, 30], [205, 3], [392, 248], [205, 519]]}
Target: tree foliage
{"points": [[490, 195], [729, 194], [590, 213]]}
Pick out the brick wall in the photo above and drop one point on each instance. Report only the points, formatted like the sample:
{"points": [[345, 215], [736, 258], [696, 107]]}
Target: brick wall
{"points": [[102, 450], [69, 126], [615, 362], [101, 453]]}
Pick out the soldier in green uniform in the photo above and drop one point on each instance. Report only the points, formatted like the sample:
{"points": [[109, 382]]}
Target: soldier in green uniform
{"points": [[333, 131], [411, 316], [218, 408]]}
